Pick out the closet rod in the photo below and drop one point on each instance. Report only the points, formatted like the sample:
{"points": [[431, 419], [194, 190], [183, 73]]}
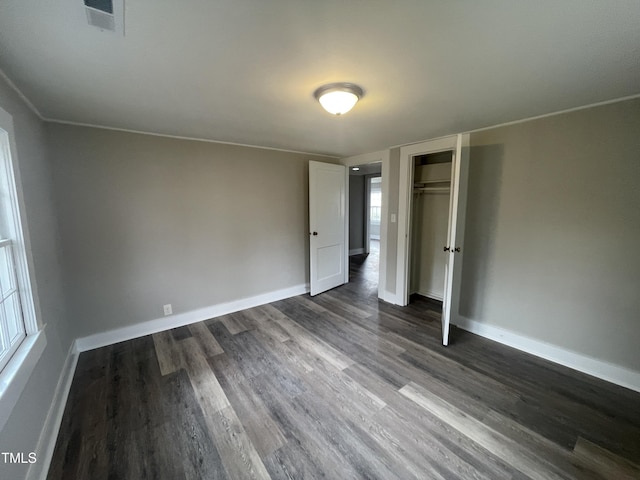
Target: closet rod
{"points": [[432, 190]]}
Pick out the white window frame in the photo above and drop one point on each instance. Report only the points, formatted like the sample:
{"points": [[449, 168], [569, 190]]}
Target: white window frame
{"points": [[10, 295], [16, 373]]}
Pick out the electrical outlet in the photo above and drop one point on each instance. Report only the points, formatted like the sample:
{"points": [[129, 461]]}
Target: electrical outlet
{"points": [[393, 218], [167, 309]]}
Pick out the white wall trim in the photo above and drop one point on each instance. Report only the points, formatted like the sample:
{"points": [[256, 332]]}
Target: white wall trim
{"points": [[528, 119], [598, 368], [362, 158], [181, 137], [141, 329], [22, 96], [51, 428], [407, 154], [356, 251], [16, 221], [49, 432], [559, 112]]}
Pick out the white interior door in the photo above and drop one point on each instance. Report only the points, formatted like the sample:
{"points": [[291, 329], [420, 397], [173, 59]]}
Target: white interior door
{"points": [[327, 226], [455, 231], [455, 234]]}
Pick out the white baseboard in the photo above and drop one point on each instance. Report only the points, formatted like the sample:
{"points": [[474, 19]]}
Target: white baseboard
{"points": [[604, 370], [356, 251], [49, 433], [153, 326]]}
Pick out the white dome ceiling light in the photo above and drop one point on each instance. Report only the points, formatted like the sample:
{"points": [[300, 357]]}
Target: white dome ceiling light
{"points": [[338, 98]]}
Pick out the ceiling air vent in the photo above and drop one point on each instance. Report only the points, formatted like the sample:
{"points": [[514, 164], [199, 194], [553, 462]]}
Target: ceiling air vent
{"points": [[102, 14]]}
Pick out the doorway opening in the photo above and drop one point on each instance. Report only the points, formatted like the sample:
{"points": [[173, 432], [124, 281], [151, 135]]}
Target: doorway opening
{"points": [[429, 224], [365, 219]]}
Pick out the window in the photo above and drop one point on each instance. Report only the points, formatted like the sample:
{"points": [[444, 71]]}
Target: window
{"points": [[12, 329], [375, 201], [22, 340]]}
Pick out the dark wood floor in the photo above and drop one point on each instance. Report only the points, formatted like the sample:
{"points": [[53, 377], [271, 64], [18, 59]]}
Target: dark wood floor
{"points": [[338, 386]]}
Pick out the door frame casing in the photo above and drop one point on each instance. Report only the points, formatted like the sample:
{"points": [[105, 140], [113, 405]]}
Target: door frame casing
{"points": [[459, 145], [367, 213], [383, 157], [407, 155], [367, 209]]}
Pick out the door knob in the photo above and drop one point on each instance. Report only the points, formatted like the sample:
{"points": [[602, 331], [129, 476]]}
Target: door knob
{"points": [[315, 234], [457, 249], [446, 249]]}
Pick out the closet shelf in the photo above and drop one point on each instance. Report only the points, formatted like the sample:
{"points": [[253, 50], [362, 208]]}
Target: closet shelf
{"points": [[438, 172]]}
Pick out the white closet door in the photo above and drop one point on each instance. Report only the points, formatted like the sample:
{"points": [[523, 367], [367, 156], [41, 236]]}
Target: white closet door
{"points": [[455, 235]]}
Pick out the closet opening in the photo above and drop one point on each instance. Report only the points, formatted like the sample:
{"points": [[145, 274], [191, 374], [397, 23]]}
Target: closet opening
{"points": [[429, 225], [365, 215], [431, 213]]}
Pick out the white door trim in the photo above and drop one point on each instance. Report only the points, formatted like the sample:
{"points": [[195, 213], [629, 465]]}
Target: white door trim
{"points": [[404, 207], [382, 156], [367, 212]]}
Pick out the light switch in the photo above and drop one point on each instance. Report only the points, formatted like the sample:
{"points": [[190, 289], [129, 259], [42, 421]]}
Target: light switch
{"points": [[393, 218]]}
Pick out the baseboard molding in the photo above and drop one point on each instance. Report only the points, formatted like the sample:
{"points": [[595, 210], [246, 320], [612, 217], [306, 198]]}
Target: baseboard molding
{"points": [[356, 251], [153, 326], [49, 433], [604, 370]]}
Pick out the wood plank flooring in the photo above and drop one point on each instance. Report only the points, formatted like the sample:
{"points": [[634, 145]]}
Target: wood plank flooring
{"points": [[339, 386]]}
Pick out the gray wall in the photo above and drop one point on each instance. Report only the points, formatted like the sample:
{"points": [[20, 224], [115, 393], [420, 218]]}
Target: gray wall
{"points": [[429, 224], [553, 228], [550, 252], [147, 220], [356, 211], [21, 432]]}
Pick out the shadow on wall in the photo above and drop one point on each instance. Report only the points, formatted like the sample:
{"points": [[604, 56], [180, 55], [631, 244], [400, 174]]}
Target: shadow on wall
{"points": [[483, 203]]}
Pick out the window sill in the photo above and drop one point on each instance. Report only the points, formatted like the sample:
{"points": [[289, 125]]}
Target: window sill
{"points": [[16, 373]]}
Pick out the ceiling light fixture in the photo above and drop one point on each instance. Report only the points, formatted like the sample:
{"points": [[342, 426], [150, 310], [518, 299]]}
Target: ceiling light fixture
{"points": [[355, 169], [338, 98]]}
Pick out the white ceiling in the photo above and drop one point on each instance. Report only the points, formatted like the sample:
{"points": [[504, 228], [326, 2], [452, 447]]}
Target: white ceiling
{"points": [[244, 71]]}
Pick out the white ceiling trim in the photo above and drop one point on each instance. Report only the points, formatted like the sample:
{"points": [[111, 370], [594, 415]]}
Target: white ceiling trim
{"points": [[22, 96], [178, 137], [33, 108], [529, 119], [553, 114], [243, 72]]}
